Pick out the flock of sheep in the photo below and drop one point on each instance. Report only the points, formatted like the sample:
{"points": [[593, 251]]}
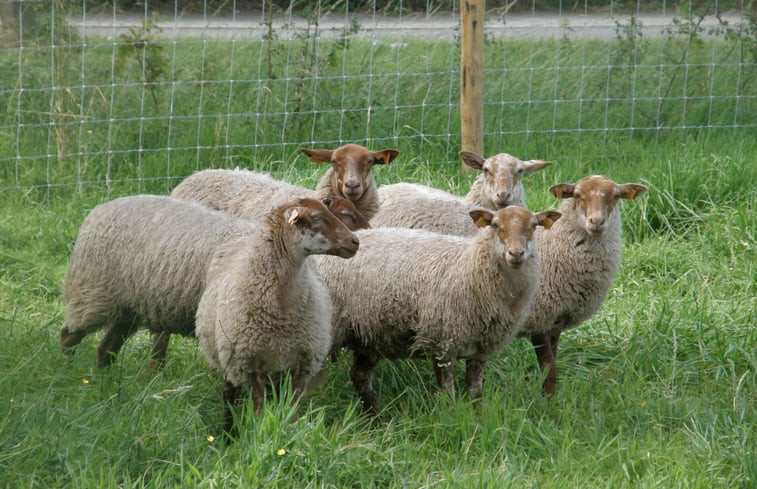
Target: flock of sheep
{"points": [[226, 258]]}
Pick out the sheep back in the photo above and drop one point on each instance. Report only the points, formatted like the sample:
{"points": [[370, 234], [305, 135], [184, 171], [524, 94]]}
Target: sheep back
{"points": [[415, 293], [242, 193], [420, 207]]}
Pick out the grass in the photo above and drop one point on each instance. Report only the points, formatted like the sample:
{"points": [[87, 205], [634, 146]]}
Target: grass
{"points": [[218, 103], [657, 390]]}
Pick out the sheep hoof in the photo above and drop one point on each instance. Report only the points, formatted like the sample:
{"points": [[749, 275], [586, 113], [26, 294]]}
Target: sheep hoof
{"points": [[69, 340]]}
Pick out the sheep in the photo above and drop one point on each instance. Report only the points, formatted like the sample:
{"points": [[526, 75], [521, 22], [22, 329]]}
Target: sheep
{"points": [[264, 312], [141, 259], [412, 293], [498, 185], [250, 195], [580, 256]]}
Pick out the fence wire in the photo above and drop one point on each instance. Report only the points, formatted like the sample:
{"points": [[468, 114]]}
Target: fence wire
{"points": [[99, 94]]}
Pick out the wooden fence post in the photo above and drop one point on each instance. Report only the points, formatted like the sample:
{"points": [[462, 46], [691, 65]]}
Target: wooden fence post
{"points": [[472, 76]]}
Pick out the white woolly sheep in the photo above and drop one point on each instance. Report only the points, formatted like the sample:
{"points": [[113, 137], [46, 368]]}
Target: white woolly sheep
{"points": [[140, 259], [250, 195], [341, 207], [412, 293], [579, 258], [264, 312], [497, 186]]}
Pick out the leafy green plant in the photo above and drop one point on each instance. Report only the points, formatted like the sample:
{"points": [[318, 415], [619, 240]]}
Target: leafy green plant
{"points": [[743, 37], [141, 45]]}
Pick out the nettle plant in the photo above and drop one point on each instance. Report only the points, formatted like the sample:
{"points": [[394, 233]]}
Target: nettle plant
{"points": [[140, 44]]}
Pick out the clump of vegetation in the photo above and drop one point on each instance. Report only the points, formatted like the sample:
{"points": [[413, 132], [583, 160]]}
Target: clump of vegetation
{"points": [[142, 45]]}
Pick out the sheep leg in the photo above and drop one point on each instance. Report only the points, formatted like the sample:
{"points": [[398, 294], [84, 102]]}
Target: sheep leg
{"points": [[314, 381], [544, 354], [474, 371], [113, 341], [361, 374], [160, 341], [230, 397], [301, 385], [443, 373], [69, 340], [258, 392], [554, 339]]}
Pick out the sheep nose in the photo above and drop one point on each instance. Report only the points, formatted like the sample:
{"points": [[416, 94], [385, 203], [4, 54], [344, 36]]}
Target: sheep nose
{"points": [[503, 198], [516, 257], [518, 254], [355, 241], [596, 221], [352, 189]]}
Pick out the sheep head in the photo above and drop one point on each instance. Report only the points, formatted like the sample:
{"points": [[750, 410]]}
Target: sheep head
{"points": [[352, 166], [514, 228], [500, 182], [345, 211], [594, 200], [317, 230]]}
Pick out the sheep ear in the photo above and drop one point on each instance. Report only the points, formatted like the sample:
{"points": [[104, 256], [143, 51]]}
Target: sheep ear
{"points": [[384, 156], [535, 165], [472, 160], [547, 218], [328, 202], [318, 155], [481, 217], [294, 215], [562, 190], [630, 191]]}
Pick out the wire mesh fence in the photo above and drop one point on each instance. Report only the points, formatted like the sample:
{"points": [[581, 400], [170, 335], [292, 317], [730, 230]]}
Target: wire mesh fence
{"points": [[97, 93]]}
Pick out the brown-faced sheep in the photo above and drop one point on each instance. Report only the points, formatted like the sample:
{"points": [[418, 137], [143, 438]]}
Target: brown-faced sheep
{"points": [[250, 195], [580, 256], [264, 312], [412, 293], [498, 185]]}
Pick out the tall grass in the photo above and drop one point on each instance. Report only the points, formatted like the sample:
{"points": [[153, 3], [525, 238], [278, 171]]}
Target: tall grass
{"points": [[657, 390]]}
